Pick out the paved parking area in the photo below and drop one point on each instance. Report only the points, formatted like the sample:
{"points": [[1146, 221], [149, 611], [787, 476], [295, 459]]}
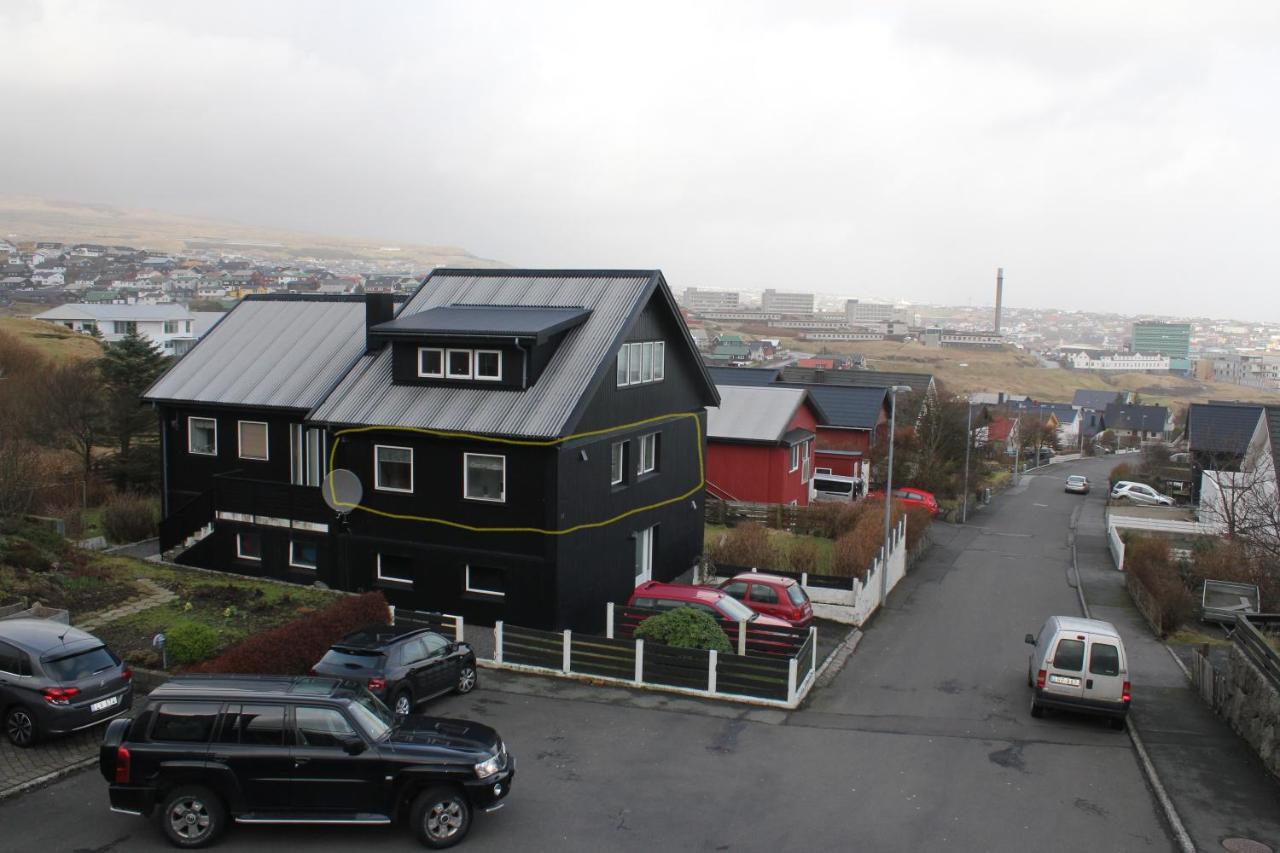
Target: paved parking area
{"points": [[19, 768]]}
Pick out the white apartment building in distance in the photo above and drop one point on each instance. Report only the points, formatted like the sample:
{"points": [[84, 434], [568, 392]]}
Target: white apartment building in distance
{"points": [[1135, 361], [169, 326], [697, 300], [787, 303], [867, 313]]}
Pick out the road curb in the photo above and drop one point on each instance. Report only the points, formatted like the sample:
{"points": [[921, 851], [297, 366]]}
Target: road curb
{"points": [[61, 772], [1148, 769]]}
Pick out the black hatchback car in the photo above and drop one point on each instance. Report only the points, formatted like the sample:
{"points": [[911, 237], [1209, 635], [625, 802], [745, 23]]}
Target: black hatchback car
{"points": [[401, 666], [56, 679], [209, 750]]}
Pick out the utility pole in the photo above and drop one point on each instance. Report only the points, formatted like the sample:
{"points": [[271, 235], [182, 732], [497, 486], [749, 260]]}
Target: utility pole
{"points": [[888, 490], [968, 441]]}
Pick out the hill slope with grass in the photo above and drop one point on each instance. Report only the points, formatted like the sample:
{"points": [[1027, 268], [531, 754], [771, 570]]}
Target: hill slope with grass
{"points": [[57, 343]]}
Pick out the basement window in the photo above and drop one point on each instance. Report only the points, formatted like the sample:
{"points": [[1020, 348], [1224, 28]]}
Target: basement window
{"points": [[484, 580], [249, 547]]}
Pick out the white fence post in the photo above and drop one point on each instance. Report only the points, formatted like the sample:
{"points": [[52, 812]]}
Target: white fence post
{"points": [[639, 662], [392, 609], [712, 661], [804, 579], [791, 680], [568, 644], [497, 641], [458, 632], [608, 620], [813, 635], [742, 635]]}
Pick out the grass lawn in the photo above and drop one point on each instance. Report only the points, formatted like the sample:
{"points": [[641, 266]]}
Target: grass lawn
{"points": [[1193, 637], [779, 538], [52, 341]]}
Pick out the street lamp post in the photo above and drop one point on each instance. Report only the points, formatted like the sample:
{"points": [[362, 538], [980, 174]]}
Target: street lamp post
{"points": [[888, 489], [968, 442]]}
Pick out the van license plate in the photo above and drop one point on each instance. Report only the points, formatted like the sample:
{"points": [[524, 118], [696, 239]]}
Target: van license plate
{"points": [[1064, 680], [104, 704]]}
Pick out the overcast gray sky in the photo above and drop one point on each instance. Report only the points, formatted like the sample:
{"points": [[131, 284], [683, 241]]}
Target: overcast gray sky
{"points": [[1108, 154]]}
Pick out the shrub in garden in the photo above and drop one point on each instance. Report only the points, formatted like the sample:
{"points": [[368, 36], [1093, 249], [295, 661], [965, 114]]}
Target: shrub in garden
{"points": [[129, 518], [747, 545], [293, 648], [918, 520], [849, 558], [190, 642], [832, 519], [1147, 561], [803, 556], [684, 628]]}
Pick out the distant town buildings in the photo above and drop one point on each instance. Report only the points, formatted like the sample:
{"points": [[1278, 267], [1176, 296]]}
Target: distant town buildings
{"points": [[787, 303], [698, 300], [1135, 362], [1171, 339]]}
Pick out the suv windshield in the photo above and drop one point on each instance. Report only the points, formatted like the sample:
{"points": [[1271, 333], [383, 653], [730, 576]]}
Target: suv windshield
{"points": [[735, 610], [78, 666], [371, 715]]}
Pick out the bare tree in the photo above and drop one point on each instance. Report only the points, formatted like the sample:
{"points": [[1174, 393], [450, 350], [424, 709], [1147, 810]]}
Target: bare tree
{"points": [[75, 411], [19, 475]]}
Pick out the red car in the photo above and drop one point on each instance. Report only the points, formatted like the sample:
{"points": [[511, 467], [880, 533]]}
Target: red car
{"points": [[668, 596], [910, 496], [772, 595]]}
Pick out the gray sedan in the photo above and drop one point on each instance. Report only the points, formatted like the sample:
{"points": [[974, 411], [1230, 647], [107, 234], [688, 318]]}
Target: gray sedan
{"points": [[1078, 483]]}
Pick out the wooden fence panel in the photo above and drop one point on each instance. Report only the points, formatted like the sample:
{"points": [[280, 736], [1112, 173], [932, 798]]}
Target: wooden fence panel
{"points": [[1253, 644], [602, 656], [763, 678], [531, 647], [676, 667]]}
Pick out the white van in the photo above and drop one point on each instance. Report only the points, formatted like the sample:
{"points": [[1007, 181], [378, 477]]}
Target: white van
{"points": [[1079, 665], [833, 487]]}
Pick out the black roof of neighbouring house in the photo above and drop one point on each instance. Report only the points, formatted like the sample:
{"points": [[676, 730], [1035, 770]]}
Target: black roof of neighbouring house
{"points": [[919, 382], [1221, 427], [843, 406], [1136, 418], [1087, 398], [743, 375]]}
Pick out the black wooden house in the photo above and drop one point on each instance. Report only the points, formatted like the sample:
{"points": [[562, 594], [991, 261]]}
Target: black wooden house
{"points": [[530, 444]]}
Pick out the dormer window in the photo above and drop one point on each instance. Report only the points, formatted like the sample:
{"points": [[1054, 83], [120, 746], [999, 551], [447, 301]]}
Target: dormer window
{"points": [[459, 362], [489, 365], [430, 363]]}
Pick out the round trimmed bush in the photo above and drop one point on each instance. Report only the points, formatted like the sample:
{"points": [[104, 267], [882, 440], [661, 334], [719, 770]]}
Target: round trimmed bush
{"points": [[190, 642], [684, 628]]}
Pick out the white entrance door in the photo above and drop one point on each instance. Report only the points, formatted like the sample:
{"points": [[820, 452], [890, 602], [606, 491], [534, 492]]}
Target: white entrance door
{"points": [[644, 555]]}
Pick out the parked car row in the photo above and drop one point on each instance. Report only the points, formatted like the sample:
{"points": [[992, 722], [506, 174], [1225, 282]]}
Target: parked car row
{"points": [[759, 598]]}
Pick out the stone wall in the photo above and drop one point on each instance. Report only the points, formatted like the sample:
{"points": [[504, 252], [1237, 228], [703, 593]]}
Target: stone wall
{"points": [[1251, 704]]}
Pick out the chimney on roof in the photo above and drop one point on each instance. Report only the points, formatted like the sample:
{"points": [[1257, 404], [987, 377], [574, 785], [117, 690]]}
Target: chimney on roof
{"points": [[378, 308], [999, 295]]}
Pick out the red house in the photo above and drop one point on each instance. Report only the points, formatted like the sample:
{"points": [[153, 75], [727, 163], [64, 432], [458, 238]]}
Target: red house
{"points": [[760, 445]]}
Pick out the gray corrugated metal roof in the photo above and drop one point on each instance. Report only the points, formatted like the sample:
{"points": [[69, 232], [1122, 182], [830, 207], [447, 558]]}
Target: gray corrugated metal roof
{"points": [[1089, 399], [269, 352], [749, 413], [1136, 417], [505, 321], [367, 396], [92, 311], [918, 382]]}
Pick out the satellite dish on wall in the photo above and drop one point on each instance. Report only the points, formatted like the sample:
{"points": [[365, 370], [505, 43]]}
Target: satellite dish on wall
{"points": [[342, 490]]}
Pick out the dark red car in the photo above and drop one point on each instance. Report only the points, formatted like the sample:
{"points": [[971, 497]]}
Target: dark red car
{"points": [[667, 596], [772, 595], [910, 496]]}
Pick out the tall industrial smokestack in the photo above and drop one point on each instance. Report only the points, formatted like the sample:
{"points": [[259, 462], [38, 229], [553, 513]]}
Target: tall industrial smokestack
{"points": [[999, 295]]}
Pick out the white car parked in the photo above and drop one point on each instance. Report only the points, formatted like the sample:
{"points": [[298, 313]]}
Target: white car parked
{"points": [[1139, 494]]}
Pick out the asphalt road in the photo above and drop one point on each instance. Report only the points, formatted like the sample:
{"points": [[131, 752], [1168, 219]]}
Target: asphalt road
{"points": [[922, 742]]}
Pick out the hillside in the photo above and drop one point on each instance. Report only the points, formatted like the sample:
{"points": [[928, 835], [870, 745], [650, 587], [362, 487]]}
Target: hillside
{"points": [[966, 371], [30, 218], [52, 341]]}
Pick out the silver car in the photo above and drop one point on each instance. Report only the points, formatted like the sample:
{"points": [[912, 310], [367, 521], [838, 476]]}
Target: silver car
{"points": [[1079, 665], [1078, 483], [56, 679], [1139, 493]]}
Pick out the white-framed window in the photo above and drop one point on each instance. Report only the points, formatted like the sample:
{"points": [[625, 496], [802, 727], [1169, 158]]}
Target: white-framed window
{"points": [[458, 363], [484, 477], [484, 580], [619, 458], [647, 453], [306, 455], [641, 362], [795, 456], [644, 554], [126, 327], [253, 440], [303, 553], [202, 436], [394, 568], [392, 468], [489, 365], [431, 362], [171, 327], [821, 471], [249, 547]]}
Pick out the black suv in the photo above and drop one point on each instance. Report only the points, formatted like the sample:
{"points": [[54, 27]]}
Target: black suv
{"points": [[209, 749], [401, 666]]}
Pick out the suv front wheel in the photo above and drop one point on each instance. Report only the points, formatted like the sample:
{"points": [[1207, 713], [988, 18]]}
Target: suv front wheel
{"points": [[441, 816], [192, 816], [466, 678]]}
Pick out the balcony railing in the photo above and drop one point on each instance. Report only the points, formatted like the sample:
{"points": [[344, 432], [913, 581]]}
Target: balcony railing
{"points": [[267, 502]]}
